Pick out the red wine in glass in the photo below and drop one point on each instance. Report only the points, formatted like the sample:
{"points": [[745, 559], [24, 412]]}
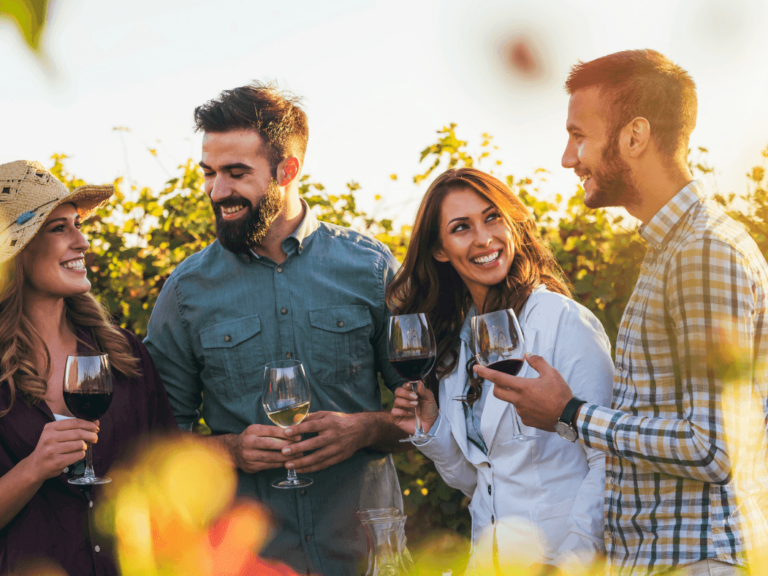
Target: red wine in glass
{"points": [[88, 405], [511, 367], [413, 369], [88, 394], [412, 354], [499, 345]]}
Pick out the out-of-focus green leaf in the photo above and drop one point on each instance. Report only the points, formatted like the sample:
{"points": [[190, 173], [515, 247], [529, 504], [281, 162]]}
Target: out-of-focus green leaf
{"points": [[30, 16]]}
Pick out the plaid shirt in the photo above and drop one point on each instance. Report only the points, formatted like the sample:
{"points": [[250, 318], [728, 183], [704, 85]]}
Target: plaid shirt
{"points": [[673, 494]]}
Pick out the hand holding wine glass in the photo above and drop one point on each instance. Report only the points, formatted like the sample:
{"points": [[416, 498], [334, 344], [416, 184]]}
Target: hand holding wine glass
{"points": [[286, 400], [407, 400], [412, 354], [88, 394], [499, 345]]}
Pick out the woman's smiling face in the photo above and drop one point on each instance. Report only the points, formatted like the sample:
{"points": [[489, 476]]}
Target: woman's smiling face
{"points": [[475, 240], [54, 260]]}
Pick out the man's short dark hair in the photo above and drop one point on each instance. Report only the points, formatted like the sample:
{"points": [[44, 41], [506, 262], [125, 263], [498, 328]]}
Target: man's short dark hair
{"points": [[643, 83], [273, 113]]}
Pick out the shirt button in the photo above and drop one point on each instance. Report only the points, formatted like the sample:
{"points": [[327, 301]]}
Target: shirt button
{"points": [[97, 548], [303, 492], [90, 504], [227, 338], [493, 520], [279, 268], [489, 490], [307, 537], [288, 355], [341, 324], [66, 469], [283, 311]]}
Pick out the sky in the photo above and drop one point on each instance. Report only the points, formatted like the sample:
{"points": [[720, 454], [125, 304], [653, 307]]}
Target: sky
{"points": [[378, 79]]}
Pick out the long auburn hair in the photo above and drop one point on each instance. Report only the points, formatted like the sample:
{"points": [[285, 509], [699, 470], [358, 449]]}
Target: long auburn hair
{"points": [[424, 285], [20, 341]]}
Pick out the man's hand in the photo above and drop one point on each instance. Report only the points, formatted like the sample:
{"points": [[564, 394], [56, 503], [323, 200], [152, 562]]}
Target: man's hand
{"points": [[539, 401], [258, 448], [339, 436]]}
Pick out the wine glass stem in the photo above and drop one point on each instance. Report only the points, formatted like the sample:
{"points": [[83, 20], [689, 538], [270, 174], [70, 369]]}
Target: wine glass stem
{"points": [[517, 431], [89, 461], [417, 414], [292, 475]]}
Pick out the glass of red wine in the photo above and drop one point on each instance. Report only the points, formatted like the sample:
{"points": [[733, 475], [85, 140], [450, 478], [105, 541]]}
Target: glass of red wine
{"points": [[412, 354], [88, 394], [499, 345]]}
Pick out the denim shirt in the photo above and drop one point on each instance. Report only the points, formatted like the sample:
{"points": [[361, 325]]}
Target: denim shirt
{"points": [[221, 316]]}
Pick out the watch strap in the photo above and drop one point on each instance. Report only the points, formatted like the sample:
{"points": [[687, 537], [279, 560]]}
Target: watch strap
{"points": [[570, 410]]}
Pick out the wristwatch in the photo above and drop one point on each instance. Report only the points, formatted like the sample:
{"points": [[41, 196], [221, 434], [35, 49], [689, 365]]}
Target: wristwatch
{"points": [[564, 426]]}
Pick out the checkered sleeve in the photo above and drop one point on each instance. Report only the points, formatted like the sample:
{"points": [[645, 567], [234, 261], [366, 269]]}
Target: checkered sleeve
{"points": [[708, 309]]}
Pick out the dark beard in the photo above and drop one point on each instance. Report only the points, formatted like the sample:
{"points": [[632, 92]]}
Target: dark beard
{"points": [[612, 180], [241, 237]]}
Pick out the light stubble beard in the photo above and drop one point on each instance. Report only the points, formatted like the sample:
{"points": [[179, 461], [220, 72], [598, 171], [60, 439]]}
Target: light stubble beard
{"points": [[612, 181], [241, 237]]}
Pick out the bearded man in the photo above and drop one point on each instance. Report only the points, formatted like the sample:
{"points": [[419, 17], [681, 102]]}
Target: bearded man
{"points": [[685, 436], [277, 284]]}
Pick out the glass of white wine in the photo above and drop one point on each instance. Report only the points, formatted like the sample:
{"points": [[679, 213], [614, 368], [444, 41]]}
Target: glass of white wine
{"points": [[286, 401]]}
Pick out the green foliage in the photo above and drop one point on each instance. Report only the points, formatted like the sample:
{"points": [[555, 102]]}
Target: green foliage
{"points": [[30, 16], [141, 236]]}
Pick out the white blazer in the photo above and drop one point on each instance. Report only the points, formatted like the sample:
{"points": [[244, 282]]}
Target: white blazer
{"points": [[542, 500]]}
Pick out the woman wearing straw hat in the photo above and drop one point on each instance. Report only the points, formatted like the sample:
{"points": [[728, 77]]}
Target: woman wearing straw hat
{"points": [[47, 314]]}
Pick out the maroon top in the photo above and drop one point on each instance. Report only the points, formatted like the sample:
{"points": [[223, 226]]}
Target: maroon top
{"points": [[58, 522]]}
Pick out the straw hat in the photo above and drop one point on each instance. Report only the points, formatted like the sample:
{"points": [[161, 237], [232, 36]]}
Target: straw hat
{"points": [[28, 194]]}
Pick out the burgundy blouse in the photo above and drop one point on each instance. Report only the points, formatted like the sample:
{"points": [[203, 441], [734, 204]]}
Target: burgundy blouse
{"points": [[58, 522]]}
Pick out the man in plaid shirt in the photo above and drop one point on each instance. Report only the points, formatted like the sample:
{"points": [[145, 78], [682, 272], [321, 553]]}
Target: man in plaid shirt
{"points": [[685, 435]]}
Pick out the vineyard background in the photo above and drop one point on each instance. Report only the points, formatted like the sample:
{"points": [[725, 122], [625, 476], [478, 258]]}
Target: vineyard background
{"points": [[142, 235]]}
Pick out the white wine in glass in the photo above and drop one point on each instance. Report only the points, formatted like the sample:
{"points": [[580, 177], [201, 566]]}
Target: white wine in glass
{"points": [[286, 400]]}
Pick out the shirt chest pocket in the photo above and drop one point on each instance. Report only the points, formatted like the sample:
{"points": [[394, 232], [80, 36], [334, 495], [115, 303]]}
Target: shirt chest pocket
{"points": [[233, 355], [341, 342]]}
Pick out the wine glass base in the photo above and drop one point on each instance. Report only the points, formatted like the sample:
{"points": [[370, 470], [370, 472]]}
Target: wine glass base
{"points": [[92, 481], [417, 440], [520, 438], [290, 483]]}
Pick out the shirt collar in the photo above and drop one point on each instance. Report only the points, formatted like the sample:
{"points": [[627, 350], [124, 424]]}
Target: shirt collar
{"points": [[300, 237], [659, 228]]}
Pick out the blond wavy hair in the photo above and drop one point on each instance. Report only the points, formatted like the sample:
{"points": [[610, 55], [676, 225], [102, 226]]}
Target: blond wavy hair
{"points": [[20, 341]]}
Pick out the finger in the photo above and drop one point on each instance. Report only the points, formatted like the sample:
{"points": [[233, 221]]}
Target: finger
{"points": [[504, 380], [264, 443], [308, 427], [405, 403], [424, 392], [262, 430], [71, 446], [75, 434], [506, 395], [310, 444], [316, 415], [537, 363], [403, 393], [317, 461], [263, 456], [399, 414], [74, 424], [407, 386]]}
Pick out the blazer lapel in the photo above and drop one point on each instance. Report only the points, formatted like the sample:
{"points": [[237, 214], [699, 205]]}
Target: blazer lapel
{"points": [[453, 388]]}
